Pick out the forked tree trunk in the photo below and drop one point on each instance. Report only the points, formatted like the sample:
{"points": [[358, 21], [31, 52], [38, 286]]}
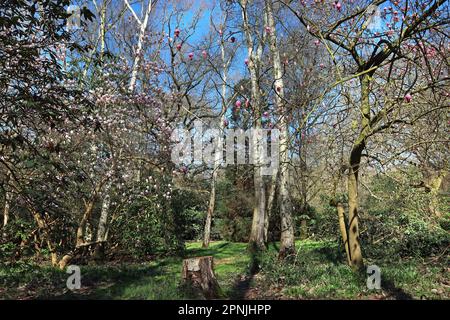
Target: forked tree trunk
{"points": [[45, 232], [198, 274]]}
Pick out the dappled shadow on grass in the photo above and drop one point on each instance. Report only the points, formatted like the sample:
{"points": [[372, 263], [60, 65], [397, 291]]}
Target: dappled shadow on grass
{"points": [[153, 280], [159, 279], [212, 250], [328, 254], [241, 287]]}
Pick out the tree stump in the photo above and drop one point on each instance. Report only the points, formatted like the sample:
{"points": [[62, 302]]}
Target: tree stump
{"points": [[198, 273]]}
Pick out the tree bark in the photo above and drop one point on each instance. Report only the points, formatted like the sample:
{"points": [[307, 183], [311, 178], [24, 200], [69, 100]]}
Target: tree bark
{"points": [[212, 201], [103, 223], [218, 150], [303, 229], [6, 208], [44, 228], [287, 246], [359, 145], [257, 231], [434, 185], [343, 230], [82, 226], [137, 57], [270, 205], [199, 274]]}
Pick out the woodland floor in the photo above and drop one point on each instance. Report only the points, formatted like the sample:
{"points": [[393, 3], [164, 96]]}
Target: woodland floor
{"points": [[316, 274]]}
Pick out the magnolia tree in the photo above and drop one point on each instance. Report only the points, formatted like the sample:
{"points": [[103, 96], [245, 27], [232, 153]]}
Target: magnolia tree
{"points": [[364, 39]]}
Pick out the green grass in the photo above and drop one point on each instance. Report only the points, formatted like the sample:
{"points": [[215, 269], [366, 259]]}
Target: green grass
{"points": [[317, 272], [150, 280]]}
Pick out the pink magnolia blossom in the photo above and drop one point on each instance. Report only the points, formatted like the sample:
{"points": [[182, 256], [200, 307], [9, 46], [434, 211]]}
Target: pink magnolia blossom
{"points": [[408, 98]]}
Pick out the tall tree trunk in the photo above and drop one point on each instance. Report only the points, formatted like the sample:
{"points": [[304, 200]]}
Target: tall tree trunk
{"points": [[218, 150], [359, 145], [257, 232], [354, 243], [102, 31], [101, 37], [287, 246], [137, 57]]}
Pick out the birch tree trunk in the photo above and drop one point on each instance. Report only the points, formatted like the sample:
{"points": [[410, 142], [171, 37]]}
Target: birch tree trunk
{"points": [[218, 151], [102, 29], [137, 58], [287, 245], [103, 221], [101, 36]]}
